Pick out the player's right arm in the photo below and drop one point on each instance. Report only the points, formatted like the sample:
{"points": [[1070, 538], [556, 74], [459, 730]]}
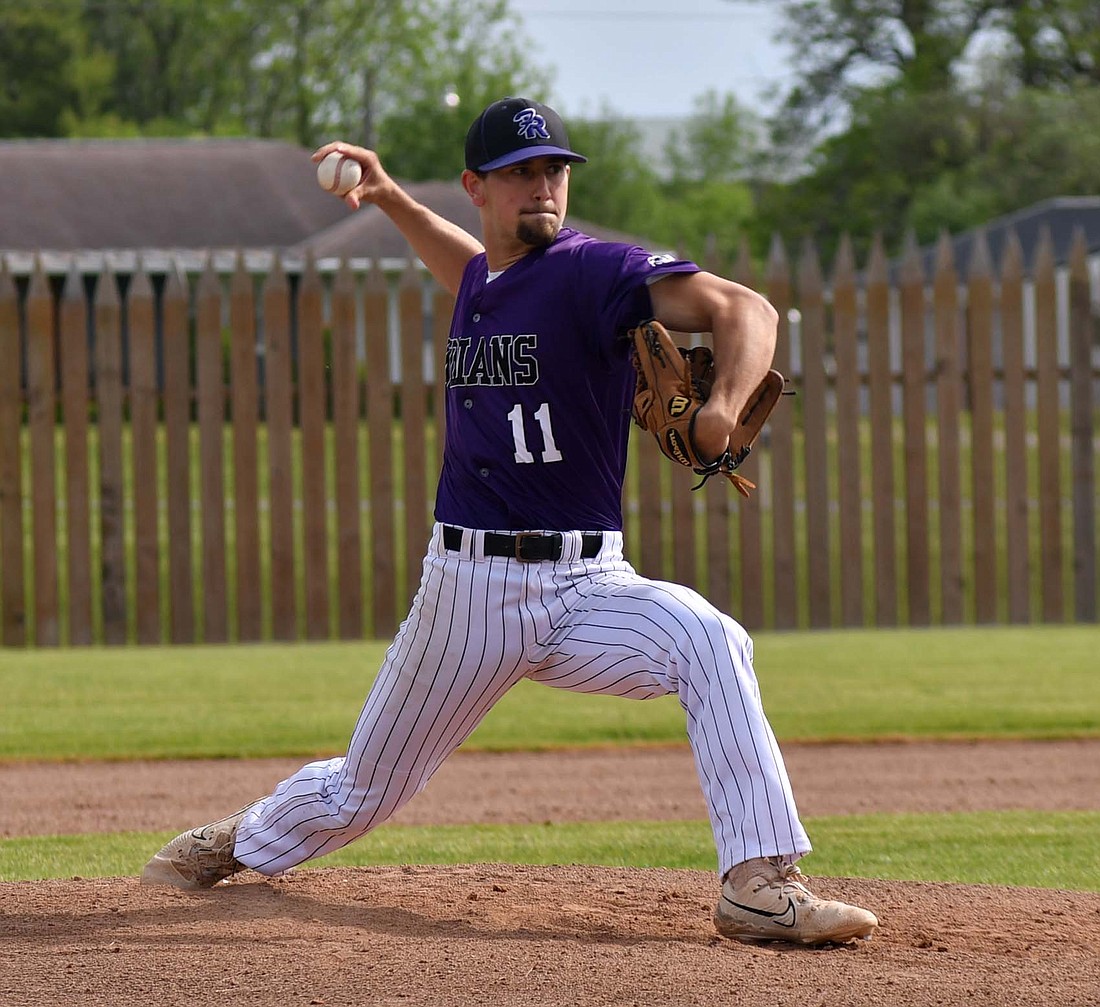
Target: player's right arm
{"points": [[442, 246]]}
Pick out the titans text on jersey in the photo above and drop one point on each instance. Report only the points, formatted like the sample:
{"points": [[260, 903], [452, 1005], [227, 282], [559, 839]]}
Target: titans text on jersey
{"points": [[492, 360]]}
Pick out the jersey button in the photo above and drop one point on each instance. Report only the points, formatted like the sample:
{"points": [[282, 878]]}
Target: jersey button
{"points": [[484, 473], [468, 403], [477, 318]]}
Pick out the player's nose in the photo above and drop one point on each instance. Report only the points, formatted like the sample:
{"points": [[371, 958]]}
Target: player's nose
{"points": [[541, 186]]}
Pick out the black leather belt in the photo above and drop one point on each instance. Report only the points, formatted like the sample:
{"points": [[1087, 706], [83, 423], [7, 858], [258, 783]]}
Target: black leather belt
{"points": [[526, 546]]}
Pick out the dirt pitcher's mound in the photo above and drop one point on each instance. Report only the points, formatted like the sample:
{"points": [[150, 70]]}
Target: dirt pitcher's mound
{"points": [[644, 783], [504, 935]]}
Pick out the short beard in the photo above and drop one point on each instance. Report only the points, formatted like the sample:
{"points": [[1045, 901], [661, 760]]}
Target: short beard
{"points": [[538, 232]]}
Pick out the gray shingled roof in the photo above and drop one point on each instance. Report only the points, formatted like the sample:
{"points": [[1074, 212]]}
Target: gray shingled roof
{"points": [[65, 195], [369, 232], [1062, 215], [74, 195]]}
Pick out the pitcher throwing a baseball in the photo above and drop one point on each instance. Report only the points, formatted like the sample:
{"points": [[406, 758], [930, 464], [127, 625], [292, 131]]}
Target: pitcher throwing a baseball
{"points": [[524, 575]]}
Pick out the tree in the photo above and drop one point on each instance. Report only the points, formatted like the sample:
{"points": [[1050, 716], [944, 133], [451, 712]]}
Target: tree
{"points": [[1034, 145], [1054, 44], [617, 188], [842, 47], [918, 113], [473, 55], [39, 49], [303, 70], [174, 60], [717, 144], [708, 195], [864, 179]]}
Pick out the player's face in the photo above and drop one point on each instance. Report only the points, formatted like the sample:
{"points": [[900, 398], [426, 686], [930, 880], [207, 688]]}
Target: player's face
{"points": [[527, 201]]}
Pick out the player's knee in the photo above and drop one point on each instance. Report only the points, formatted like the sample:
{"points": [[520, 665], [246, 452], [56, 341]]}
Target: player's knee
{"points": [[721, 626]]}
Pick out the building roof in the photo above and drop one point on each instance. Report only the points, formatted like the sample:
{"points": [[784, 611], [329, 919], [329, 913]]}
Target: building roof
{"points": [[1062, 215], [73, 196], [370, 233], [65, 195]]}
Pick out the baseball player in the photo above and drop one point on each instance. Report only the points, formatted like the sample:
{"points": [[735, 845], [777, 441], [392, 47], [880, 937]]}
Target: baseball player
{"points": [[524, 575]]}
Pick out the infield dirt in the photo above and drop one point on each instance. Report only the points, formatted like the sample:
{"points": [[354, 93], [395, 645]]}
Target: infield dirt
{"points": [[513, 936]]}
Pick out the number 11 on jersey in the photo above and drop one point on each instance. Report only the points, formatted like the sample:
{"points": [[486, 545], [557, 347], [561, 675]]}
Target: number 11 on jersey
{"points": [[523, 456]]}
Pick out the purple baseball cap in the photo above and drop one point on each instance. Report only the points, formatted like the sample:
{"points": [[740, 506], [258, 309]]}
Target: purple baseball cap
{"points": [[516, 129]]}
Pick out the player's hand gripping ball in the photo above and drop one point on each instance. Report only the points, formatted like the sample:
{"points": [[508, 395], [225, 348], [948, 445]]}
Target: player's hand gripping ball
{"points": [[339, 174]]}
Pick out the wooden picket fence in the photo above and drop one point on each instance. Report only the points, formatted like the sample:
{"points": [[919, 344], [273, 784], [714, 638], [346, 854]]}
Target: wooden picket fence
{"points": [[242, 448]]}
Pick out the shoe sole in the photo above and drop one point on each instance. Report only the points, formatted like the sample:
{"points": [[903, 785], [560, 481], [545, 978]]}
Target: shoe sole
{"points": [[862, 933], [159, 871]]}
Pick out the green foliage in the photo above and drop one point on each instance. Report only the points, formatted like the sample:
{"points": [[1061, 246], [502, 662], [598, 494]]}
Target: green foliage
{"points": [[1055, 43], [38, 67], [923, 116], [864, 179], [304, 70], [617, 188], [1034, 145], [933, 162], [716, 144], [474, 56], [894, 122], [702, 199]]}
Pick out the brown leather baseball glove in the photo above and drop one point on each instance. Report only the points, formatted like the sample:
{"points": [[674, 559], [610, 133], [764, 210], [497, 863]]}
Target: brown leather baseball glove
{"points": [[673, 385]]}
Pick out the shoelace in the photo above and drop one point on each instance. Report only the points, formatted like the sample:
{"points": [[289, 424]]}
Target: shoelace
{"points": [[787, 878]]}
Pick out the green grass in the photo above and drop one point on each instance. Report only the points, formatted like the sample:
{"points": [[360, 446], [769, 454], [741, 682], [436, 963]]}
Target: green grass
{"points": [[303, 699], [1036, 849]]}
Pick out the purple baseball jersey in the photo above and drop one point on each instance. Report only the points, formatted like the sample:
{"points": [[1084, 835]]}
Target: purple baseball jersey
{"points": [[540, 386]]}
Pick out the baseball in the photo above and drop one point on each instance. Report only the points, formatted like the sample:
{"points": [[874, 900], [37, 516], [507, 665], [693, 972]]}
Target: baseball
{"points": [[338, 173]]}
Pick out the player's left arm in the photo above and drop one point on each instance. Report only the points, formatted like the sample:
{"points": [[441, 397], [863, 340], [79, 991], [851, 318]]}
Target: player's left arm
{"points": [[744, 326]]}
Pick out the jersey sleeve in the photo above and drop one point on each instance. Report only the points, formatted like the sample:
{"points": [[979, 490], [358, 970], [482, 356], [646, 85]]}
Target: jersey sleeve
{"points": [[628, 273]]}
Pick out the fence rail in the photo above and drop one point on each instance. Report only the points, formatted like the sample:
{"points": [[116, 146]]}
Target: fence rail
{"points": [[243, 449]]}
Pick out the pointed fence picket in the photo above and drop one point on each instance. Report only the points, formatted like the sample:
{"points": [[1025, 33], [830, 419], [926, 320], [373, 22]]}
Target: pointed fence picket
{"points": [[241, 451], [346, 411], [815, 445], [849, 477], [1015, 424], [244, 411], [278, 403], [785, 607], [380, 398], [74, 366], [312, 361], [1049, 420], [1082, 421], [176, 349], [980, 393], [144, 400], [881, 412], [948, 391]]}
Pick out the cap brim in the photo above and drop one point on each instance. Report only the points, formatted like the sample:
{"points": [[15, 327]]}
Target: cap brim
{"points": [[526, 153]]}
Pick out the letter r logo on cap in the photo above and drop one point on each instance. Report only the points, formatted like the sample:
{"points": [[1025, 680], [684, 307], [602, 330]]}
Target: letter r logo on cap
{"points": [[532, 126]]}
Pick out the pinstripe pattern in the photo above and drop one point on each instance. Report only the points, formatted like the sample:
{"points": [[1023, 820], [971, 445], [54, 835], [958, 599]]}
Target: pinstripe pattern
{"points": [[480, 624]]}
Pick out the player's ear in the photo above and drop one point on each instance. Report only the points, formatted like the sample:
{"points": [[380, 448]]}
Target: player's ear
{"points": [[474, 184]]}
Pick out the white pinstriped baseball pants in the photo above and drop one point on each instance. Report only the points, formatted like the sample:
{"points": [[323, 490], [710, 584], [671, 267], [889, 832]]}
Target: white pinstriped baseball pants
{"points": [[477, 626]]}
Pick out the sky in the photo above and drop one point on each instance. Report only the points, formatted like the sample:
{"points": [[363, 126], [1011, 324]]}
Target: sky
{"points": [[652, 58]]}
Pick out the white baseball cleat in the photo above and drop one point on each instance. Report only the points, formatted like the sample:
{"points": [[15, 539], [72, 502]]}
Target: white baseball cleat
{"points": [[199, 858], [765, 900]]}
